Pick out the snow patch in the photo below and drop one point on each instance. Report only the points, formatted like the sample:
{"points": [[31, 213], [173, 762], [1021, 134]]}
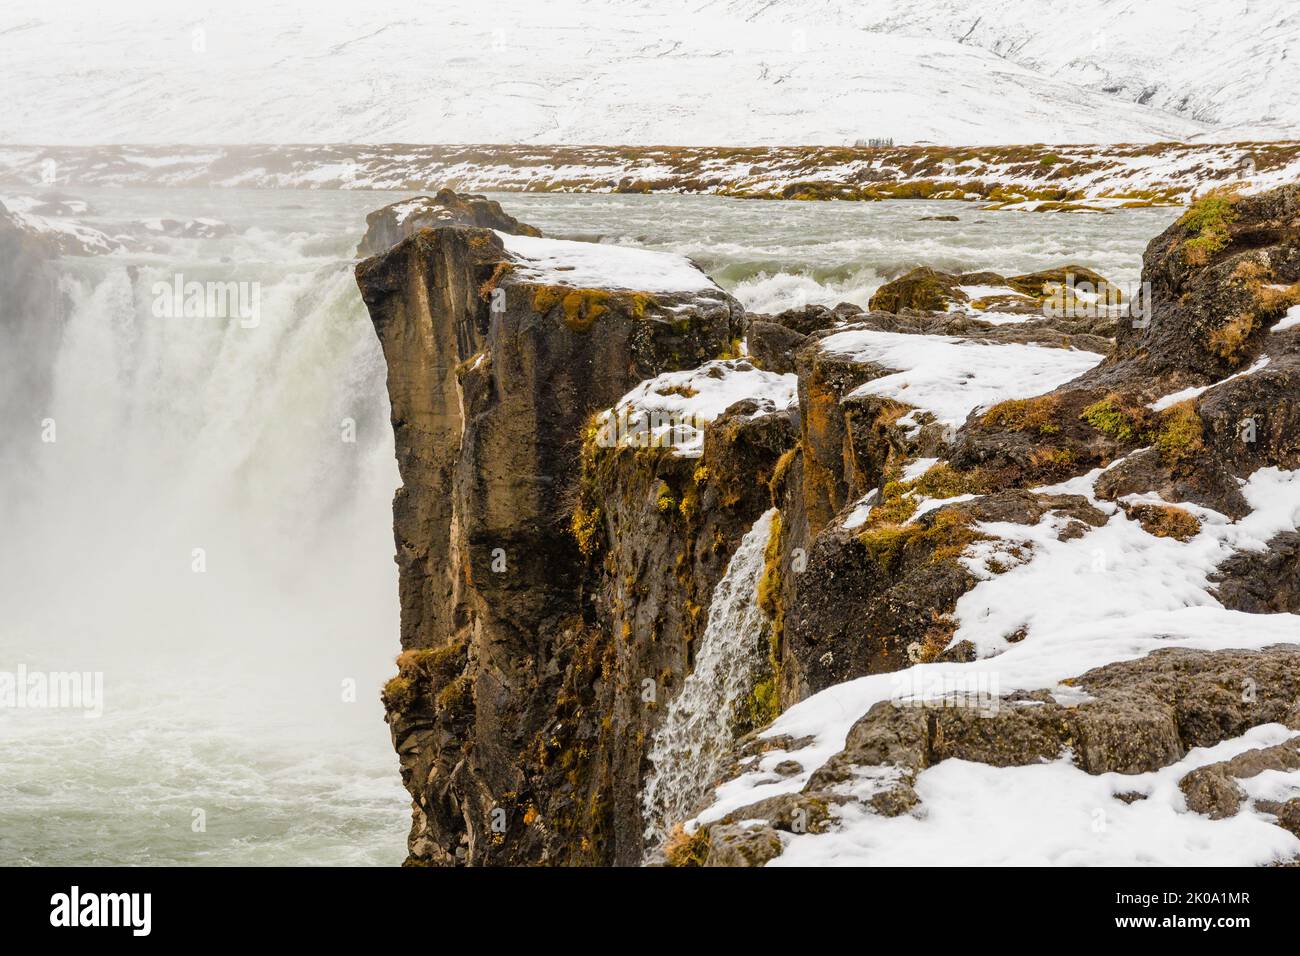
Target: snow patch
{"points": [[951, 377], [1113, 594], [672, 409], [1159, 405], [595, 265], [1288, 321], [1054, 814]]}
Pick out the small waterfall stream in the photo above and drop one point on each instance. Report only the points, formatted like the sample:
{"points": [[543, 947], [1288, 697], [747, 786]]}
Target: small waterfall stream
{"points": [[691, 744]]}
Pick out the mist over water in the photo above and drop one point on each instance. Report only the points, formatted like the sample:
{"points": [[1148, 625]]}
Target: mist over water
{"points": [[202, 533]]}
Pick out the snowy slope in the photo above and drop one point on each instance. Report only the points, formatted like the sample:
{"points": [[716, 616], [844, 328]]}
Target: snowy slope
{"points": [[579, 71], [1223, 62]]}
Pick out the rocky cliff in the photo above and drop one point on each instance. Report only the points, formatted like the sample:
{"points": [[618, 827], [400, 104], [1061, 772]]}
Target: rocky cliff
{"points": [[1090, 569], [552, 578], [1016, 521]]}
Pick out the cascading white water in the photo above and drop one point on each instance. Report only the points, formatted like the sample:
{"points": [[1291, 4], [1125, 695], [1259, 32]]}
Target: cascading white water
{"points": [[692, 743], [210, 528]]}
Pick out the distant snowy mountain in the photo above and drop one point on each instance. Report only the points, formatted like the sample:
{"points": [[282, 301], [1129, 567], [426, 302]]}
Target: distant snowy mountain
{"points": [[1223, 62], [727, 72]]}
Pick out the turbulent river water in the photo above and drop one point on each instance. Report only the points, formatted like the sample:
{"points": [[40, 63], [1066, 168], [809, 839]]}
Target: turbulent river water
{"points": [[210, 526]]}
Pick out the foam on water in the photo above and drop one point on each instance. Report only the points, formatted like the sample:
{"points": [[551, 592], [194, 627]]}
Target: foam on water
{"points": [[776, 255], [201, 533]]}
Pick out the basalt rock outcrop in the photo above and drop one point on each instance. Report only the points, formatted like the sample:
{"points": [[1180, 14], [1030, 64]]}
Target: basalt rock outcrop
{"points": [[551, 584], [882, 506], [555, 583], [1220, 278], [388, 226], [1053, 292], [1191, 448], [1139, 716]]}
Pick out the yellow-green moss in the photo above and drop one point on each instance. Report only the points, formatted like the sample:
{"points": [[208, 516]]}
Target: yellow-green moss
{"points": [[441, 663], [1228, 341], [770, 603], [1051, 457], [689, 506], [734, 350], [897, 505], [424, 670], [769, 585], [1270, 298], [580, 308], [777, 482], [1208, 219], [761, 706], [1121, 421], [1166, 521], [398, 692], [585, 521], [885, 544], [458, 695], [934, 641], [501, 270], [1181, 433], [945, 481], [585, 524], [888, 532], [1025, 414], [947, 535]]}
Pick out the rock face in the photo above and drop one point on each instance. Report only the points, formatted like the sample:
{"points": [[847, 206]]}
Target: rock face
{"points": [[388, 226], [545, 578], [1220, 277], [52, 224], [897, 506], [928, 290], [938, 481]]}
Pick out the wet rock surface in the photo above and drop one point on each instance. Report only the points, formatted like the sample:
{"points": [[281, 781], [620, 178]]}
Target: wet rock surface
{"points": [[1162, 419], [388, 226], [544, 580], [522, 693]]}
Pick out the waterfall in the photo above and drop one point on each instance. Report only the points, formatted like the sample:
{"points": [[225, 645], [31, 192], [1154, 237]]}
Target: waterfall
{"points": [[691, 745], [199, 508]]}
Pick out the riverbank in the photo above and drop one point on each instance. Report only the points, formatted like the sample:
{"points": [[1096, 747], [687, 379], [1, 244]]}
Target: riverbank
{"points": [[1031, 177]]}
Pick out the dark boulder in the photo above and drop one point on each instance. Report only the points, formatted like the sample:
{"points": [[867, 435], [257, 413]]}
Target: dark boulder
{"points": [[388, 226]]}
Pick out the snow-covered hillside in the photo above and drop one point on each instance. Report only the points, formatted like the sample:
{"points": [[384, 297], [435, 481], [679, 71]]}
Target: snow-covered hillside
{"points": [[1225, 62], [636, 72]]}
